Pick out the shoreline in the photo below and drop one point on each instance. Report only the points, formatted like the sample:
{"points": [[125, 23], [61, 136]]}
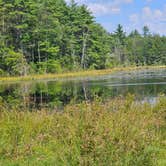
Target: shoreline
{"points": [[75, 74]]}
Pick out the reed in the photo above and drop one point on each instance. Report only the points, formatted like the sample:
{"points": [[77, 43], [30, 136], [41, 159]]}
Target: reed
{"points": [[117, 132]]}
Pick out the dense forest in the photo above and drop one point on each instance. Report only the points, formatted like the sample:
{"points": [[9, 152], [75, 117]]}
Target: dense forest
{"points": [[48, 36]]}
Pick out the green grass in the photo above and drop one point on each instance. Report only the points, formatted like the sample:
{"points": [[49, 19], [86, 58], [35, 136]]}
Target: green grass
{"points": [[75, 74], [118, 132]]}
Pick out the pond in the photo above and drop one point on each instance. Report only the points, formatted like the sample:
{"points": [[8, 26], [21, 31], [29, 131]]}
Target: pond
{"points": [[146, 85]]}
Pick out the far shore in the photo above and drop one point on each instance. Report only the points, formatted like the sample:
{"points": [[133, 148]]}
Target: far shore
{"points": [[75, 74]]}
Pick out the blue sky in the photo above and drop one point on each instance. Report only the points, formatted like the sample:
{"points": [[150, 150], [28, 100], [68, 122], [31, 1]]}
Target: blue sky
{"points": [[132, 14]]}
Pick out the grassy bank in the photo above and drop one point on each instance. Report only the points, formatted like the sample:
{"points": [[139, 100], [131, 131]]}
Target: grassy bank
{"points": [[118, 132], [75, 74]]}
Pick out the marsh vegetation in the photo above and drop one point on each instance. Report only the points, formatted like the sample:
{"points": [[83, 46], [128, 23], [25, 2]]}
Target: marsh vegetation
{"points": [[116, 132], [85, 121]]}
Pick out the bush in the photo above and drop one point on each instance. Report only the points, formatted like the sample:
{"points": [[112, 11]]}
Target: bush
{"points": [[14, 62], [53, 66], [41, 67], [2, 73]]}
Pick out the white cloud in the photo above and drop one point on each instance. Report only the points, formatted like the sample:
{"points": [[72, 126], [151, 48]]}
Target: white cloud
{"points": [[99, 8], [134, 18], [156, 15], [113, 7], [103, 9], [155, 19], [147, 13], [77, 1]]}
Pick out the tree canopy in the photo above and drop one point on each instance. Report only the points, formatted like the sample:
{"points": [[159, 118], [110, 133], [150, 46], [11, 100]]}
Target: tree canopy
{"points": [[48, 36]]}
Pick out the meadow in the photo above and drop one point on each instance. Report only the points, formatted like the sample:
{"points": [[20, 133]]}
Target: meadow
{"points": [[117, 132]]}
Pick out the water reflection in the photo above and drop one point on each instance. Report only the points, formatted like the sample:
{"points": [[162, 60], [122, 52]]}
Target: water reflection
{"points": [[145, 85]]}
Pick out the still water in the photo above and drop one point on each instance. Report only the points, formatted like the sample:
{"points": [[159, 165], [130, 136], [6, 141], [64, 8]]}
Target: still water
{"points": [[146, 85]]}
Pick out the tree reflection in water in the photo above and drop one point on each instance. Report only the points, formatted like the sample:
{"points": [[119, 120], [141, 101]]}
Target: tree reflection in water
{"points": [[52, 94]]}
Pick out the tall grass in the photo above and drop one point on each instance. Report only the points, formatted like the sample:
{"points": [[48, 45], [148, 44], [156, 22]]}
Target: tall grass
{"points": [[117, 132]]}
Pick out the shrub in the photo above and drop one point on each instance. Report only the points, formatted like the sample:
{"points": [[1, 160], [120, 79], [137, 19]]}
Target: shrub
{"points": [[53, 67], [2, 73]]}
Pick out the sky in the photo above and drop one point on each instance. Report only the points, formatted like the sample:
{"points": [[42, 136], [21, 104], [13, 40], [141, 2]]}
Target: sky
{"points": [[132, 14]]}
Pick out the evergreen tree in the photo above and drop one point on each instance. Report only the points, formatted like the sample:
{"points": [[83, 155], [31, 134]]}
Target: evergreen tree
{"points": [[45, 36]]}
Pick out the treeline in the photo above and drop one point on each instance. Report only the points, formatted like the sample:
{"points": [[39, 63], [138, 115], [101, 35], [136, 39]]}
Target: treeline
{"points": [[50, 36]]}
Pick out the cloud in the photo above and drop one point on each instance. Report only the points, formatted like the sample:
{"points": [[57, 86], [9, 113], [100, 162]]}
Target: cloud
{"points": [[134, 18], [155, 15], [146, 12], [103, 9], [100, 8], [113, 7], [77, 1], [155, 19]]}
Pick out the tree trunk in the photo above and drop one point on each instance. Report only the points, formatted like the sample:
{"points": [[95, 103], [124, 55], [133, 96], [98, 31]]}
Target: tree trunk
{"points": [[85, 36], [84, 90], [38, 49]]}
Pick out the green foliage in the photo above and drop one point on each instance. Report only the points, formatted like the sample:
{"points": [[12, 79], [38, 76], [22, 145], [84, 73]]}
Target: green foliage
{"points": [[118, 132], [13, 62], [41, 67], [46, 31], [53, 66], [2, 73]]}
